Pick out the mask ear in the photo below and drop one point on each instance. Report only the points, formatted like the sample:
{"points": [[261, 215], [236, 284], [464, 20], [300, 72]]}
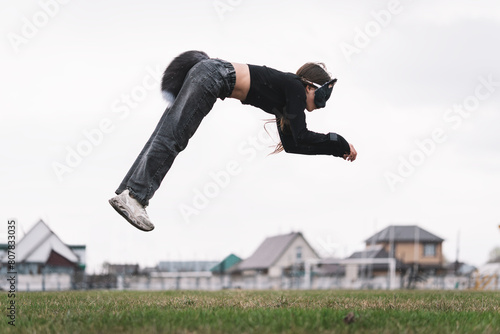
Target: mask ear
{"points": [[322, 94]]}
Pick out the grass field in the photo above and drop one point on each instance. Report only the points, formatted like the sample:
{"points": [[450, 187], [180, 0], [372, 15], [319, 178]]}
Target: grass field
{"points": [[254, 312]]}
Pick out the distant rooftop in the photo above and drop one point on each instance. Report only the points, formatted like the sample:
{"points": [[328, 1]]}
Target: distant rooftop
{"points": [[226, 264], [269, 251], [404, 233], [375, 251], [38, 245]]}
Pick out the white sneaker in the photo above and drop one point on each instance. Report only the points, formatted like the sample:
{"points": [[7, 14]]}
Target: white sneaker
{"points": [[132, 211]]}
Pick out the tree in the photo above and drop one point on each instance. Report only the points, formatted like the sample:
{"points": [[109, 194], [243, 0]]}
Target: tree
{"points": [[494, 255]]}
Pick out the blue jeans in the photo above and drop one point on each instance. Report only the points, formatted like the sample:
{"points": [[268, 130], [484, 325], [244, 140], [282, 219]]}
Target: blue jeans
{"points": [[205, 82]]}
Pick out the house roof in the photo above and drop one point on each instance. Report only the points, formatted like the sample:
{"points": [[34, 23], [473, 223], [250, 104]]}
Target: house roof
{"points": [[270, 251], [226, 264], [404, 233], [38, 245], [371, 252]]}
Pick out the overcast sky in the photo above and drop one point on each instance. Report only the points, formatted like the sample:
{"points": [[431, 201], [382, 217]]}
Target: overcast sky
{"points": [[418, 95]]}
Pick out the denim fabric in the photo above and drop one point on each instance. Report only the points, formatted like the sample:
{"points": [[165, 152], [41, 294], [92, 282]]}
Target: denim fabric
{"points": [[205, 82]]}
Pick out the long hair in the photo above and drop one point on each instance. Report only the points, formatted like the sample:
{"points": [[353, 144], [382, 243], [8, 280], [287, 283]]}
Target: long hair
{"points": [[313, 72], [176, 72], [308, 73]]}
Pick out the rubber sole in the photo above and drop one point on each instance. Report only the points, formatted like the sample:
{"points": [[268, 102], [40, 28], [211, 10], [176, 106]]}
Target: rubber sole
{"points": [[123, 213]]}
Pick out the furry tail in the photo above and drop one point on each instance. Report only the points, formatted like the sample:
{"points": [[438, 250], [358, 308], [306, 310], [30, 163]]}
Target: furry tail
{"points": [[176, 72]]}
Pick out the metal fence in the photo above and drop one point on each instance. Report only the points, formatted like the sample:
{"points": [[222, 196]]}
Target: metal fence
{"points": [[208, 281]]}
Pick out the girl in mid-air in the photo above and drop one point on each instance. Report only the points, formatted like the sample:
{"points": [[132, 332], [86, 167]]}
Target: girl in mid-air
{"points": [[191, 84]]}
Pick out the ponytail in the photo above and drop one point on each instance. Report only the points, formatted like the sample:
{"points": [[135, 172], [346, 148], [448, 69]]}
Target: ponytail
{"points": [[176, 72]]}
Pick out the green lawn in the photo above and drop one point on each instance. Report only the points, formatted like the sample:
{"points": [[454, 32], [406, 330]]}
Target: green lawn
{"points": [[254, 312]]}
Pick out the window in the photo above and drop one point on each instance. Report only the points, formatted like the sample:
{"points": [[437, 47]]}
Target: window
{"points": [[298, 252], [429, 249]]}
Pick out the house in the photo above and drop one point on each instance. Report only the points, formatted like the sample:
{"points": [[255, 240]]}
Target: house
{"points": [[44, 261], [418, 252], [225, 265], [412, 245], [42, 250], [224, 269], [3, 252], [278, 256]]}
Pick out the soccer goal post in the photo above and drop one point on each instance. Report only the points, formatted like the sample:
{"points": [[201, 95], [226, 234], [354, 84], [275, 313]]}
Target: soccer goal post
{"points": [[310, 263]]}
